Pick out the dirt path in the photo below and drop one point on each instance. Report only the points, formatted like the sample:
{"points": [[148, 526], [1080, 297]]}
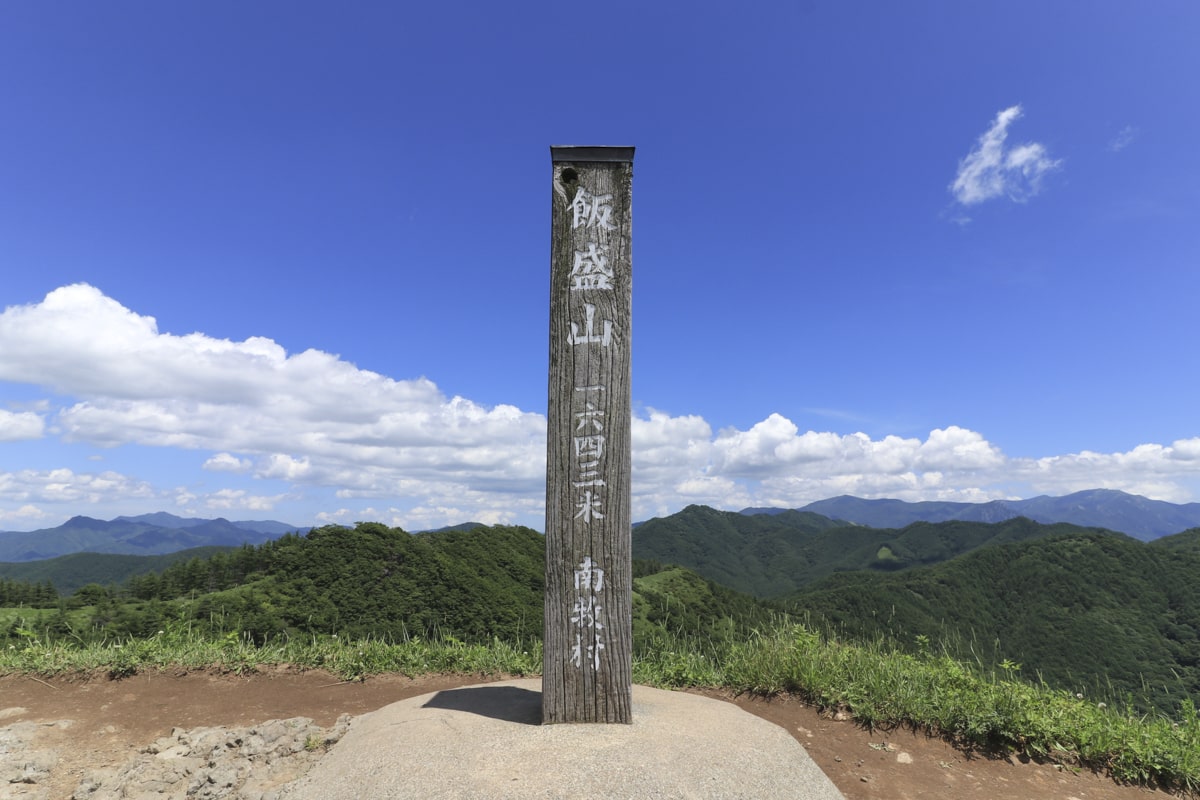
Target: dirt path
{"points": [[112, 720]]}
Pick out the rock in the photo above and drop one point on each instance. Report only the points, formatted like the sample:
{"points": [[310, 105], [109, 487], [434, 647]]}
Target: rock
{"points": [[21, 767], [218, 763], [204, 763]]}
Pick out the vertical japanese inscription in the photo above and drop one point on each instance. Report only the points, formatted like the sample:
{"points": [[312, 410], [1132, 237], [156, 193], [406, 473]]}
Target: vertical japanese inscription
{"points": [[587, 669]]}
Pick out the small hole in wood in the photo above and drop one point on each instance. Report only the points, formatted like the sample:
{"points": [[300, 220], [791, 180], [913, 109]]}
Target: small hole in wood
{"points": [[569, 175]]}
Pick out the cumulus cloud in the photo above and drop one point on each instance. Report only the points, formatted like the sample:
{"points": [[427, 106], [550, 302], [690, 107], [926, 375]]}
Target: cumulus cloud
{"points": [[307, 417], [773, 463], [1185, 450], [273, 431], [23, 515], [791, 468], [956, 448], [224, 462], [20, 426], [1158, 471], [994, 169], [673, 466], [285, 467]]}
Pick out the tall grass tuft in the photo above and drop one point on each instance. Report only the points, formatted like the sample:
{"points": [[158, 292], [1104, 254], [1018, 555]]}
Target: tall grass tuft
{"points": [[879, 686], [181, 646]]}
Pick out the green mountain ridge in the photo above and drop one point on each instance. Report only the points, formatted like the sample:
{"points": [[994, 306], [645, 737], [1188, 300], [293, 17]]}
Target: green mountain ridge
{"points": [[1082, 608], [768, 555], [750, 554], [1091, 611], [1079, 607], [69, 573], [1185, 542], [375, 581]]}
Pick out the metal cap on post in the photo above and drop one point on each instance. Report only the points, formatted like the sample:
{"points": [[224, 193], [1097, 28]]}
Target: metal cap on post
{"points": [[588, 662]]}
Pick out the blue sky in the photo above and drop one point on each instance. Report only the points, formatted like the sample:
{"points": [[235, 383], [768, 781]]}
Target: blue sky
{"points": [[290, 260]]}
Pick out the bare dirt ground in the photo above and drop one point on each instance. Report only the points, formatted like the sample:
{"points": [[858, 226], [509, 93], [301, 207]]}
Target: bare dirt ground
{"points": [[112, 720]]}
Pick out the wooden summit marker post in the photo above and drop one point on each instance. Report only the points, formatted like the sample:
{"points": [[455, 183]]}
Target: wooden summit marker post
{"points": [[587, 673]]}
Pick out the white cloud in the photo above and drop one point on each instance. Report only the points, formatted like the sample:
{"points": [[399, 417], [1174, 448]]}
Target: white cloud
{"points": [[1162, 472], [958, 449], [774, 464], [23, 515], [29, 495], [308, 418], [284, 467], [315, 432], [339, 517], [65, 486], [240, 500], [424, 518], [667, 446], [792, 468], [20, 426], [224, 462], [1185, 450], [673, 466], [991, 170]]}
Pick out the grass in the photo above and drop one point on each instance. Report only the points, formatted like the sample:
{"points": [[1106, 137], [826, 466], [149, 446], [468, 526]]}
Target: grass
{"points": [[997, 711], [878, 685], [181, 647]]}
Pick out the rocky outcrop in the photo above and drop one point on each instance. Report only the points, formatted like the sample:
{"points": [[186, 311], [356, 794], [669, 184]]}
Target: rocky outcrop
{"points": [[200, 764]]}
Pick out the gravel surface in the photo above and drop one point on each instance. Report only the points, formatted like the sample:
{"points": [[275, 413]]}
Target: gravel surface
{"points": [[213, 763], [77, 733]]}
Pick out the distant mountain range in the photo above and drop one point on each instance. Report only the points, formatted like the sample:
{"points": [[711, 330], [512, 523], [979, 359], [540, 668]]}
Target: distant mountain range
{"points": [[161, 533], [1130, 514], [144, 535]]}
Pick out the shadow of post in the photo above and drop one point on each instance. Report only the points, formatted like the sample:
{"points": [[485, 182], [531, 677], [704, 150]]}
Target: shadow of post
{"points": [[507, 703]]}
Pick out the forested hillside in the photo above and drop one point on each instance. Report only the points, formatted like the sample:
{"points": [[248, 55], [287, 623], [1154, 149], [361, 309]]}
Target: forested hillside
{"points": [[1186, 542], [1090, 611], [768, 555], [1084, 609], [67, 574], [759, 555], [367, 581], [671, 602]]}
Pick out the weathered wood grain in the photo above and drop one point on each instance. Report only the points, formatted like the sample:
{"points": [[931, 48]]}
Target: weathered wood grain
{"points": [[587, 674]]}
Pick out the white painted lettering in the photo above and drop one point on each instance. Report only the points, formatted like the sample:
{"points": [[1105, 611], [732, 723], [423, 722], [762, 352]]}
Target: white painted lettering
{"points": [[592, 210], [591, 270], [590, 507], [590, 337]]}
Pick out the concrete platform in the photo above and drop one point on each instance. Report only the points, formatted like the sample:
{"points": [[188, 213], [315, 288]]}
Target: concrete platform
{"points": [[487, 741]]}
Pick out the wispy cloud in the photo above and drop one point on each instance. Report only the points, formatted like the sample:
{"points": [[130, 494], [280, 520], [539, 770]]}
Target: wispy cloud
{"points": [[268, 431], [994, 169], [1123, 139]]}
